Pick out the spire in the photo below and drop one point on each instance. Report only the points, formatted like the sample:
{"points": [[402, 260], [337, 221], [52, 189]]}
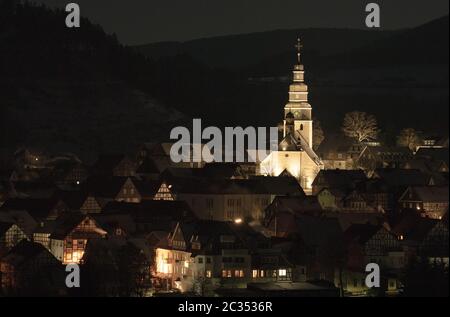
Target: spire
{"points": [[298, 46]]}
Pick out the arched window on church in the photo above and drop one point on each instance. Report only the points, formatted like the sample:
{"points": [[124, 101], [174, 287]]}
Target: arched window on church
{"points": [[301, 127]]}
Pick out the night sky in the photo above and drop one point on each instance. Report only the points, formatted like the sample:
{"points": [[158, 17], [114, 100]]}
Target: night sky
{"points": [[146, 21]]}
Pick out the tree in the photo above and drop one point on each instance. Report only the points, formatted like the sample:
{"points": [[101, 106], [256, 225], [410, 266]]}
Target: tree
{"points": [[360, 125], [409, 138], [318, 135]]}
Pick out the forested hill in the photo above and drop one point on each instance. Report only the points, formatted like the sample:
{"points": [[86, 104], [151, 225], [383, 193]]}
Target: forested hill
{"points": [[76, 90]]}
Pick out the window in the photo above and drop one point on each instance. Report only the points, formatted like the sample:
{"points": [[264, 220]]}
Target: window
{"points": [[238, 273], [208, 260], [301, 127], [226, 273], [282, 272], [200, 260], [208, 274], [255, 273]]}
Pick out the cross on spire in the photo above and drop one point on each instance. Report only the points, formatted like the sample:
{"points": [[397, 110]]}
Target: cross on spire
{"points": [[298, 46]]}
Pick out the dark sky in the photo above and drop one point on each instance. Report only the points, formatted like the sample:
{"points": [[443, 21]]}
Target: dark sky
{"points": [[145, 21]]}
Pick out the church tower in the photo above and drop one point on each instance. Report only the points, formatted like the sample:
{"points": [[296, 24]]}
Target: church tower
{"points": [[298, 105]]}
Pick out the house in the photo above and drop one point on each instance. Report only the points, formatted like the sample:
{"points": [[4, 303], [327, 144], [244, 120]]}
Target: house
{"points": [[353, 200], [220, 258], [337, 179], [70, 234], [271, 265], [151, 215], [70, 173], [21, 218], [153, 189], [10, 235], [435, 154], [295, 205], [430, 201], [38, 208], [367, 243], [114, 165], [101, 190], [423, 237], [314, 244], [373, 157], [427, 165], [232, 199], [29, 269], [172, 257], [339, 152], [378, 194]]}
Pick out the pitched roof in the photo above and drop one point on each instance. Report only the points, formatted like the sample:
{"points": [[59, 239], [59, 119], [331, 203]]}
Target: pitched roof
{"points": [[157, 214], [440, 154], [318, 231], [147, 188], [335, 143], [338, 178], [361, 233], [255, 185], [414, 227], [66, 223], [23, 252], [37, 208], [108, 187], [431, 193], [402, 177], [21, 218], [148, 166]]}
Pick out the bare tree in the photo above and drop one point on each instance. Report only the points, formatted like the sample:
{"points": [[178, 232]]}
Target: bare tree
{"points": [[410, 138], [360, 125], [318, 134]]}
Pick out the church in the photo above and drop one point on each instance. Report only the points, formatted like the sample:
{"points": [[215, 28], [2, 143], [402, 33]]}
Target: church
{"points": [[295, 153]]}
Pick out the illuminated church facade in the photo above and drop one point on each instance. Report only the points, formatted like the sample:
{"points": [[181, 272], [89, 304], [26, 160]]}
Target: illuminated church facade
{"points": [[295, 154]]}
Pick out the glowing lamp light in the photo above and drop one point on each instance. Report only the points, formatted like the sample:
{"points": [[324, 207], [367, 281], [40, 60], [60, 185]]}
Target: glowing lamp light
{"points": [[78, 182], [400, 237], [238, 220]]}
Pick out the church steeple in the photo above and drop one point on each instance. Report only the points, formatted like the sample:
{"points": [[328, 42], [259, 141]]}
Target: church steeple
{"points": [[298, 100], [298, 46]]}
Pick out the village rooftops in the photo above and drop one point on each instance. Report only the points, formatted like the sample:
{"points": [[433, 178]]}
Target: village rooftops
{"points": [[68, 222], [256, 185], [339, 178], [37, 208], [434, 194], [439, 154], [20, 217], [398, 177], [23, 252]]}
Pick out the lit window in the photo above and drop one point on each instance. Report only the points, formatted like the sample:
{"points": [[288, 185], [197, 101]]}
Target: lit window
{"points": [[255, 273], [282, 272], [208, 274]]}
